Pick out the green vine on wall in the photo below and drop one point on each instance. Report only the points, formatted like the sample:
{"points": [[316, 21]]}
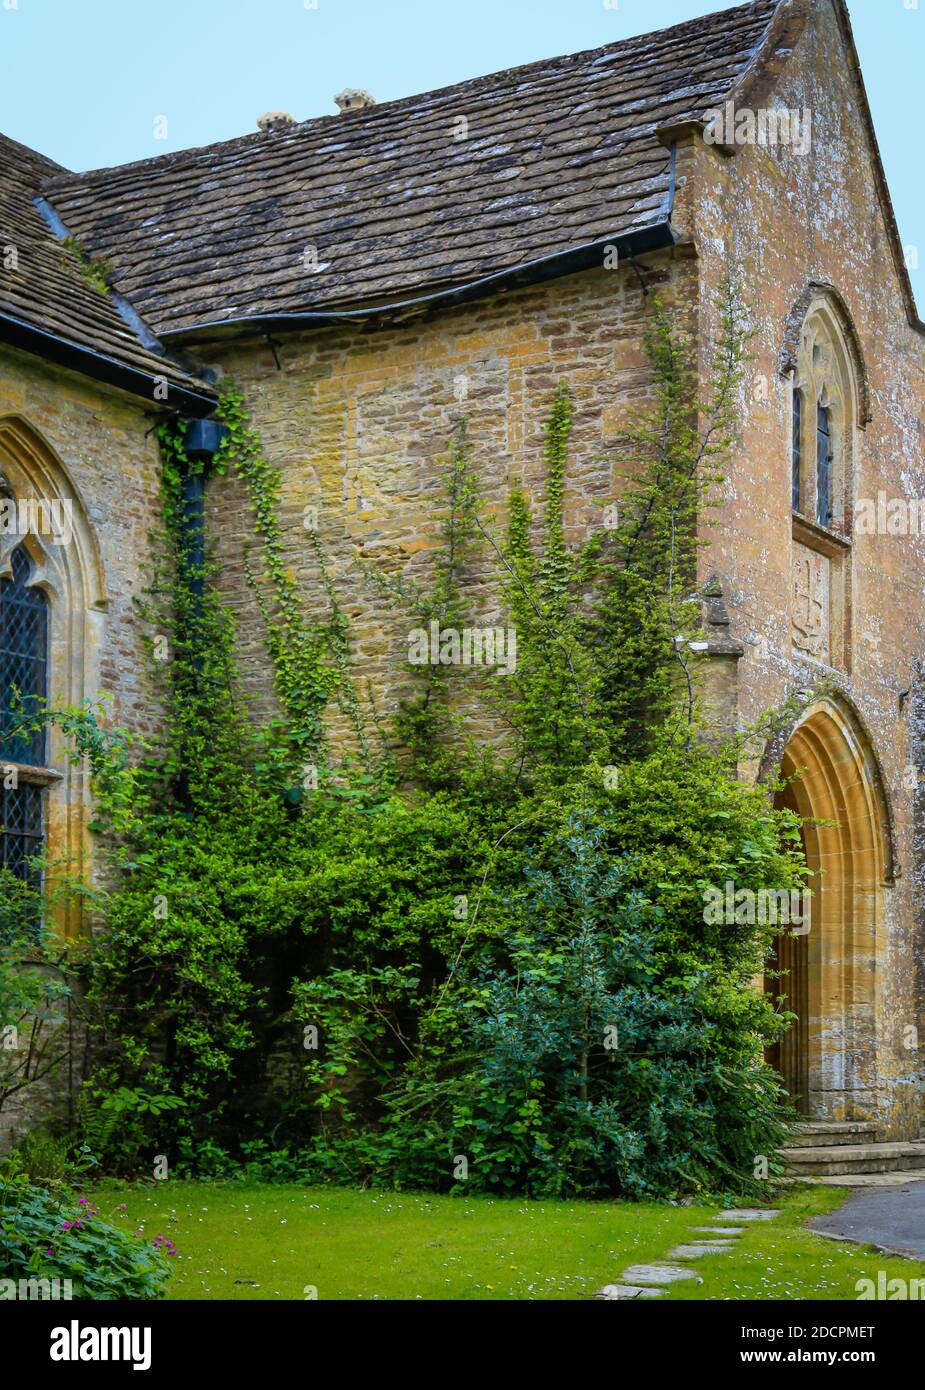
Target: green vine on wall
{"points": [[556, 569], [304, 679], [458, 944], [311, 659]]}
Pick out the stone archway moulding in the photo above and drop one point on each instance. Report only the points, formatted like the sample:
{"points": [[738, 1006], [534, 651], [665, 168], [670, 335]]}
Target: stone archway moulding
{"points": [[819, 297], [835, 782], [72, 577]]}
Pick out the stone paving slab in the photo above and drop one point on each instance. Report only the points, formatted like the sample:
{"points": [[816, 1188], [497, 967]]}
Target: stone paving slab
{"points": [[749, 1214], [658, 1274], [703, 1247], [614, 1291], [719, 1230]]}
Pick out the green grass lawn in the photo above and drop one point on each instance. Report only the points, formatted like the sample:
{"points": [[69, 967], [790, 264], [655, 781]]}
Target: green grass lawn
{"points": [[263, 1242], [780, 1259]]}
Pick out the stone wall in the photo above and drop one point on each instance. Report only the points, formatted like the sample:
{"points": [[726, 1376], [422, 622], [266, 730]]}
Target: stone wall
{"points": [[785, 219], [72, 439], [359, 422], [103, 441]]}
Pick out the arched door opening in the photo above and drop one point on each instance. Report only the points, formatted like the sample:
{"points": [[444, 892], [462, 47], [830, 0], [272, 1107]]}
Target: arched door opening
{"points": [[828, 1059]]}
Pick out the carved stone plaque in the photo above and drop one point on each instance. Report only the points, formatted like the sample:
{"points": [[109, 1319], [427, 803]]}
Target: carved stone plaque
{"points": [[810, 604]]}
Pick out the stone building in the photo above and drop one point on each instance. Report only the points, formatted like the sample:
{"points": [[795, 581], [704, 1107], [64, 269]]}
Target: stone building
{"points": [[357, 275]]}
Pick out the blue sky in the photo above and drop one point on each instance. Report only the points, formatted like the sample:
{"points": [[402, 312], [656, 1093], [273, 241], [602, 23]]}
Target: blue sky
{"points": [[84, 80]]}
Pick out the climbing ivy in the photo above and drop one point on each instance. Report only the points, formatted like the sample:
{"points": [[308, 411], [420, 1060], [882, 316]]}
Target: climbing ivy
{"points": [[424, 912], [555, 569], [299, 650]]}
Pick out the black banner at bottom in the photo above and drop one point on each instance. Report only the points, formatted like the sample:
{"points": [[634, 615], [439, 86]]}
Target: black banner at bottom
{"points": [[162, 1341]]}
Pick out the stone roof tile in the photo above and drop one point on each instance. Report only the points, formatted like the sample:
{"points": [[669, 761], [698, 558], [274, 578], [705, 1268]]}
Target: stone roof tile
{"points": [[48, 306], [557, 155]]}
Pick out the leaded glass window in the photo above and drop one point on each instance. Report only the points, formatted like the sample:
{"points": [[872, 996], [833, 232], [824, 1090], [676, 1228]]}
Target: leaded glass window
{"points": [[23, 687], [23, 659], [796, 458], [823, 467], [21, 819]]}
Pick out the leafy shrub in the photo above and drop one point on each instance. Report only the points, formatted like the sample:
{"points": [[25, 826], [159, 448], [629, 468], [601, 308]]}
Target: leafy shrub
{"points": [[49, 1235], [33, 1045], [256, 1160], [460, 924], [42, 1157], [593, 1056], [596, 1036]]}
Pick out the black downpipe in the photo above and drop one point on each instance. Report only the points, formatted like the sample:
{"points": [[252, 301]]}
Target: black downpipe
{"points": [[201, 443], [194, 551]]}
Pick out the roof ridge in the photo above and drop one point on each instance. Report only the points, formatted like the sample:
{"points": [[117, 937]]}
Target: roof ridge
{"points": [[33, 154], [377, 206], [543, 67]]}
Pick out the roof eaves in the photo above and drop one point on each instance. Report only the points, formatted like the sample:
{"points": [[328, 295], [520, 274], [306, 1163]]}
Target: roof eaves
{"points": [[656, 235], [65, 352]]}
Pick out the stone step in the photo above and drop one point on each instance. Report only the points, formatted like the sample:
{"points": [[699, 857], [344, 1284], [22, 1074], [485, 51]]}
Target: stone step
{"points": [[900, 1178], [835, 1159], [824, 1133]]}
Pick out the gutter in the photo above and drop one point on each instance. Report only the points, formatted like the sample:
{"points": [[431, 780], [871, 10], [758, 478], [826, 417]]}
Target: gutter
{"points": [[658, 236], [88, 362]]}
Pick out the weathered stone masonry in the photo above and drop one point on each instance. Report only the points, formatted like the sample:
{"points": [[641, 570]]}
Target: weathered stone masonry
{"points": [[358, 415], [797, 226], [360, 425]]}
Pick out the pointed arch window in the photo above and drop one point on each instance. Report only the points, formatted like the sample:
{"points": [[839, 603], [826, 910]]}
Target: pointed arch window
{"points": [[23, 688], [54, 630], [829, 405], [823, 421]]}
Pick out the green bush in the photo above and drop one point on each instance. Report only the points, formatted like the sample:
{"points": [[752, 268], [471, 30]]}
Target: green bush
{"points": [[53, 1235], [33, 1042], [596, 1034], [372, 967], [42, 1157]]}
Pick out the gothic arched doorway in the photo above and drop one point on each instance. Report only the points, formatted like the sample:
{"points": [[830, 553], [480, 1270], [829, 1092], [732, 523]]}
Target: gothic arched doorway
{"points": [[828, 1059]]}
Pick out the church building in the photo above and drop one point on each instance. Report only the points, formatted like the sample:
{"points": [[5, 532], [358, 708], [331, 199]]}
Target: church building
{"points": [[359, 275]]}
